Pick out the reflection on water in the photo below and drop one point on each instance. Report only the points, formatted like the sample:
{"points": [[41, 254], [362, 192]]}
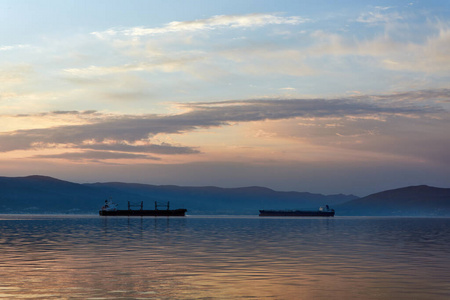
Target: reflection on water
{"points": [[224, 257]]}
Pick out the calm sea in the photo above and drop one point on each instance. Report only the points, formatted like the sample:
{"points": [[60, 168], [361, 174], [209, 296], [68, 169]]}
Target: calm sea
{"points": [[92, 257]]}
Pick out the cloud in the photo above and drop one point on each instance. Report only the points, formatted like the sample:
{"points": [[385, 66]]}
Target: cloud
{"points": [[396, 48], [95, 155], [164, 148], [435, 95], [201, 59], [379, 15], [258, 110], [14, 47], [15, 75], [431, 57], [73, 112], [206, 62], [215, 22], [131, 133], [164, 64]]}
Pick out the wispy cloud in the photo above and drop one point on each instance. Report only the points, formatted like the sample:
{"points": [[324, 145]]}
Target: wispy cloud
{"points": [[215, 22], [163, 148], [13, 75], [95, 156], [164, 64], [152, 63], [426, 54], [379, 15], [14, 47]]}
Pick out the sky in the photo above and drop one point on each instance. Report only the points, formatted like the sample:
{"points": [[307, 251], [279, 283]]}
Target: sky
{"points": [[319, 96]]}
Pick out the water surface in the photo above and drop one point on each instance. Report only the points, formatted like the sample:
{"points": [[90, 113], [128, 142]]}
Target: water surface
{"points": [[92, 257]]}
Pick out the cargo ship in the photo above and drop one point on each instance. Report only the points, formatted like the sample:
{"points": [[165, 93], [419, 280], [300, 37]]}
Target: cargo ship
{"points": [[110, 209], [324, 211]]}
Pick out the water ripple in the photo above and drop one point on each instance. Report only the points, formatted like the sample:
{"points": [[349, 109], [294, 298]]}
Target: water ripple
{"points": [[89, 257]]}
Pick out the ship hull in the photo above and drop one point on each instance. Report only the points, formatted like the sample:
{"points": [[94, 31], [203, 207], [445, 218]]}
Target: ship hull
{"points": [[145, 213], [295, 213]]}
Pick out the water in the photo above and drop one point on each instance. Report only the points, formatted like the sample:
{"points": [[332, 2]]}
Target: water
{"points": [[92, 257]]}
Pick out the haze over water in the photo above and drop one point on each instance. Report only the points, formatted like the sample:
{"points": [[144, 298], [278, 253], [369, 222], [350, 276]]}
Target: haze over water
{"points": [[91, 257]]}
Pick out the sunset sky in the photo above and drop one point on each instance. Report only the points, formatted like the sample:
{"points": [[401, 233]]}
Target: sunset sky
{"points": [[318, 96]]}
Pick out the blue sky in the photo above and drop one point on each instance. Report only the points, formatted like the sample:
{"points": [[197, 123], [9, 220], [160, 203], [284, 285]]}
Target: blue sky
{"points": [[319, 96]]}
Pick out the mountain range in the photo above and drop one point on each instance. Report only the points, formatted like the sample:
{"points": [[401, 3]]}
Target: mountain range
{"points": [[42, 194]]}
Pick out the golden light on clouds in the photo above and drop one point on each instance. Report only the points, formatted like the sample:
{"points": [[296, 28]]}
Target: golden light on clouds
{"points": [[363, 87]]}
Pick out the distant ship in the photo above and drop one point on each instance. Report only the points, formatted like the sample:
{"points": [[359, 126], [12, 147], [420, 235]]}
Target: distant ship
{"points": [[324, 211], [110, 209]]}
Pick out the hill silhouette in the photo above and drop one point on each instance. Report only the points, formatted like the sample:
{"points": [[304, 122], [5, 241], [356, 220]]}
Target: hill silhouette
{"points": [[43, 194], [419, 200]]}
